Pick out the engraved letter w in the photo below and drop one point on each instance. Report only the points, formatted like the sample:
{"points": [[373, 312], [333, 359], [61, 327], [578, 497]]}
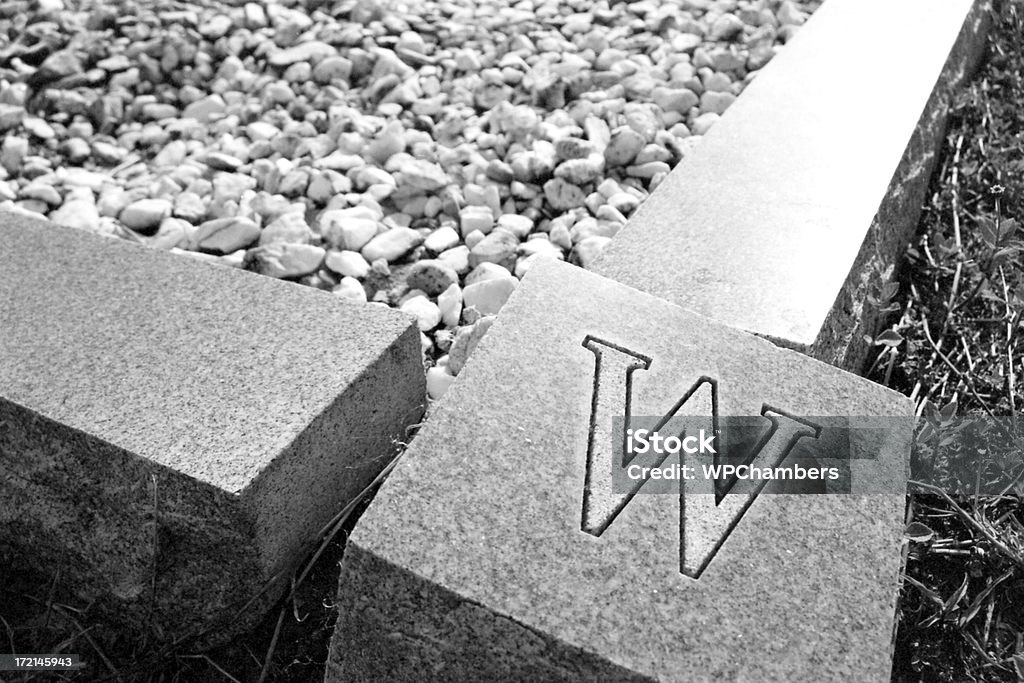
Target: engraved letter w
{"points": [[710, 516]]}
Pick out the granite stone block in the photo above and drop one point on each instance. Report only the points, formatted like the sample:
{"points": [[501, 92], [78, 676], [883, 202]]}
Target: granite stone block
{"points": [[484, 557], [174, 434], [797, 205]]}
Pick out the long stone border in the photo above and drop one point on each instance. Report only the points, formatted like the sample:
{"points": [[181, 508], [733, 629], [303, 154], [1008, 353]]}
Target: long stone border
{"points": [[798, 203]]}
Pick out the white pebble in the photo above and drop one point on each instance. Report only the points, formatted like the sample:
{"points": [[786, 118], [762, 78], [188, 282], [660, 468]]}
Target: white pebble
{"points": [[703, 123], [457, 258], [145, 214], [487, 271], [488, 296], [475, 218], [392, 244], [438, 381], [474, 238], [466, 340], [426, 312], [442, 239], [450, 303], [589, 249], [350, 288], [347, 263]]}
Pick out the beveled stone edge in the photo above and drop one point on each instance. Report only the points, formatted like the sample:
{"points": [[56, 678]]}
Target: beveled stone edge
{"points": [[341, 441], [899, 213], [276, 552], [963, 56]]}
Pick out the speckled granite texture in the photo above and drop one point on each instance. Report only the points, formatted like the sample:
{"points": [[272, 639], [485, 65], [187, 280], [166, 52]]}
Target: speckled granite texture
{"points": [[162, 415], [470, 563], [801, 199]]}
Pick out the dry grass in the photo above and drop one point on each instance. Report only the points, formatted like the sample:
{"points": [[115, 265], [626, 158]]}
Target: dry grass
{"points": [[957, 350]]}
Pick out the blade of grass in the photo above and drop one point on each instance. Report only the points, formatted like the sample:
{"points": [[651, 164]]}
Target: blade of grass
{"points": [[269, 658]]}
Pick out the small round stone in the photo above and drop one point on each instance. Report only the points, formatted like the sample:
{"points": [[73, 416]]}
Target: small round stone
{"points": [[351, 289], [438, 381], [426, 312], [432, 276], [488, 296], [347, 263], [145, 215]]}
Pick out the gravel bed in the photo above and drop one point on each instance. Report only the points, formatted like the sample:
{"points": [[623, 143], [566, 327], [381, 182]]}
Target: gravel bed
{"points": [[420, 155]]}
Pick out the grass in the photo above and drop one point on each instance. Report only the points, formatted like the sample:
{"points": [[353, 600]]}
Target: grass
{"points": [[956, 349]]}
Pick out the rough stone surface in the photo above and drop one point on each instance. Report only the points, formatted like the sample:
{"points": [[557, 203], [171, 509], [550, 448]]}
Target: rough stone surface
{"points": [[121, 366], [458, 578], [800, 198]]}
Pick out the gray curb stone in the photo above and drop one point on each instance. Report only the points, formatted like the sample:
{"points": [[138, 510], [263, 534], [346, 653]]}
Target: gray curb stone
{"points": [[470, 564], [174, 434]]}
